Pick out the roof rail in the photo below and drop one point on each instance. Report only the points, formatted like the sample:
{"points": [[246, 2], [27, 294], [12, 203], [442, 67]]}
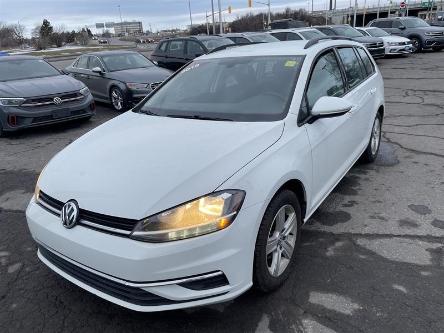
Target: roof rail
{"points": [[314, 41], [226, 46]]}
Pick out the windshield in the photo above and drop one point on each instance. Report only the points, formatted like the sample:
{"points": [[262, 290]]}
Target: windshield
{"points": [[310, 34], [256, 88], [213, 43], [377, 32], [347, 32], [25, 69], [415, 23], [120, 62], [263, 38]]}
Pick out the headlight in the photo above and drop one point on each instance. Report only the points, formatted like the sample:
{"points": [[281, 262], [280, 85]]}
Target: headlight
{"points": [[36, 192], [11, 101], [198, 217], [393, 43], [84, 91], [429, 33], [136, 86]]}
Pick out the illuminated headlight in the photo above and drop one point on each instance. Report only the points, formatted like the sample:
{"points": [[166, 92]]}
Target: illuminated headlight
{"points": [[136, 86], [11, 101], [84, 91], [198, 217]]}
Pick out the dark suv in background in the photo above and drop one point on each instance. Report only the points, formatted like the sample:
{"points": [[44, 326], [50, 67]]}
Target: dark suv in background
{"points": [[422, 35], [173, 53], [374, 45]]}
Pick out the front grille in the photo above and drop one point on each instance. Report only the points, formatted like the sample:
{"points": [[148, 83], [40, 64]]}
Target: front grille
{"points": [[123, 292], [154, 85], [375, 45], [50, 100], [111, 224]]}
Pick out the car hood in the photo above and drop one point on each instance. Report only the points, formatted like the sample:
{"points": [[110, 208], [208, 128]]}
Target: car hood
{"points": [[137, 165], [395, 39], [39, 86], [141, 75], [365, 39]]}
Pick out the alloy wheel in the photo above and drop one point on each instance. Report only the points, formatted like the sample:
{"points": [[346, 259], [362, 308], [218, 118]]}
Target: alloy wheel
{"points": [[376, 136], [281, 240], [117, 99]]}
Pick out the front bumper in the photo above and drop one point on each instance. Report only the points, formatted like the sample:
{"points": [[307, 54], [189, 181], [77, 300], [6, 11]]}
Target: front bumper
{"points": [[398, 49], [154, 270], [377, 52], [16, 118], [430, 42]]}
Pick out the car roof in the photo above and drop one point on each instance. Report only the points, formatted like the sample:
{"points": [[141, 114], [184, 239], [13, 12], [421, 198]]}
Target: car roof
{"points": [[194, 37], [282, 48], [332, 26], [114, 52], [18, 57], [294, 29]]}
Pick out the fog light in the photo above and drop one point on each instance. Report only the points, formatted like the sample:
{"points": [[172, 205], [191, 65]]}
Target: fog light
{"points": [[12, 120]]}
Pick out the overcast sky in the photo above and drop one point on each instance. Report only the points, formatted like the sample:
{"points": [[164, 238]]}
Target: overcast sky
{"points": [[161, 14]]}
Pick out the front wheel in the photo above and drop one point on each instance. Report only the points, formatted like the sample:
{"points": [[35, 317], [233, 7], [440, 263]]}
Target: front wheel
{"points": [[416, 45], [118, 99], [371, 152], [277, 241]]}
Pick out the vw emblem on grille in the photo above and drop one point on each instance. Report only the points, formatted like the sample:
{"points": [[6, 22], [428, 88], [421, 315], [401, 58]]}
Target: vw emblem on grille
{"points": [[70, 214], [57, 100]]}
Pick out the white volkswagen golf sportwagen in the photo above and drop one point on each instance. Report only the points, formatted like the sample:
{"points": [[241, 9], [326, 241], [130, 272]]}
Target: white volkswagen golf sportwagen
{"points": [[200, 191]]}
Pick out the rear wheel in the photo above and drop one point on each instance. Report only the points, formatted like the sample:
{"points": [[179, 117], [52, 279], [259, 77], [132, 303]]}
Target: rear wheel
{"points": [[277, 241], [416, 44], [371, 152], [118, 99]]}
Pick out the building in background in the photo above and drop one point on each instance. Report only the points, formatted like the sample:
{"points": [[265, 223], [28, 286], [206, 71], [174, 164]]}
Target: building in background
{"points": [[128, 28]]}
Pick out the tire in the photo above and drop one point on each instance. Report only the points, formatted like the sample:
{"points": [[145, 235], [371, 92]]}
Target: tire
{"points": [[118, 99], [2, 132], [266, 277], [416, 44], [371, 152]]}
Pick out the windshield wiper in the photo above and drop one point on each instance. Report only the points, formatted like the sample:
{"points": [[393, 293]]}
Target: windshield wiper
{"points": [[196, 116], [148, 112]]}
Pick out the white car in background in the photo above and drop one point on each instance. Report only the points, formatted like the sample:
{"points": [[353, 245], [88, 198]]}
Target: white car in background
{"points": [[201, 190], [394, 45], [296, 34]]}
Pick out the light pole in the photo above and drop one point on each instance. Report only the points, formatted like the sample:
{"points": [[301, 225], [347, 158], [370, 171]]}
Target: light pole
{"points": [[354, 15], [212, 13], [191, 19], [221, 27], [121, 22]]}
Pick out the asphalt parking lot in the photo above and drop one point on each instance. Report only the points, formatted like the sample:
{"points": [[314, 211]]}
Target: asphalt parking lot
{"points": [[371, 260]]}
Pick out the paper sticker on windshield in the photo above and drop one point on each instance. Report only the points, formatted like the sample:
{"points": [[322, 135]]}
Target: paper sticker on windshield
{"points": [[191, 67], [291, 63]]}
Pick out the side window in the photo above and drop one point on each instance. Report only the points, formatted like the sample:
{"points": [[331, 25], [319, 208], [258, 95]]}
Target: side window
{"points": [[396, 24], [293, 36], [94, 62], [83, 62], [353, 69], [384, 24], [368, 64], [280, 35], [163, 47], [194, 49], [326, 31], [325, 80], [239, 40], [176, 48]]}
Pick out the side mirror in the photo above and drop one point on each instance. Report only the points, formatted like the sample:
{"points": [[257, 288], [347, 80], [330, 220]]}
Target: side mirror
{"points": [[402, 27], [97, 70], [328, 106]]}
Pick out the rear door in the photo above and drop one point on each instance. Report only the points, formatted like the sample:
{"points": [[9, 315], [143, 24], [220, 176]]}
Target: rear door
{"points": [[80, 71], [361, 92]]}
